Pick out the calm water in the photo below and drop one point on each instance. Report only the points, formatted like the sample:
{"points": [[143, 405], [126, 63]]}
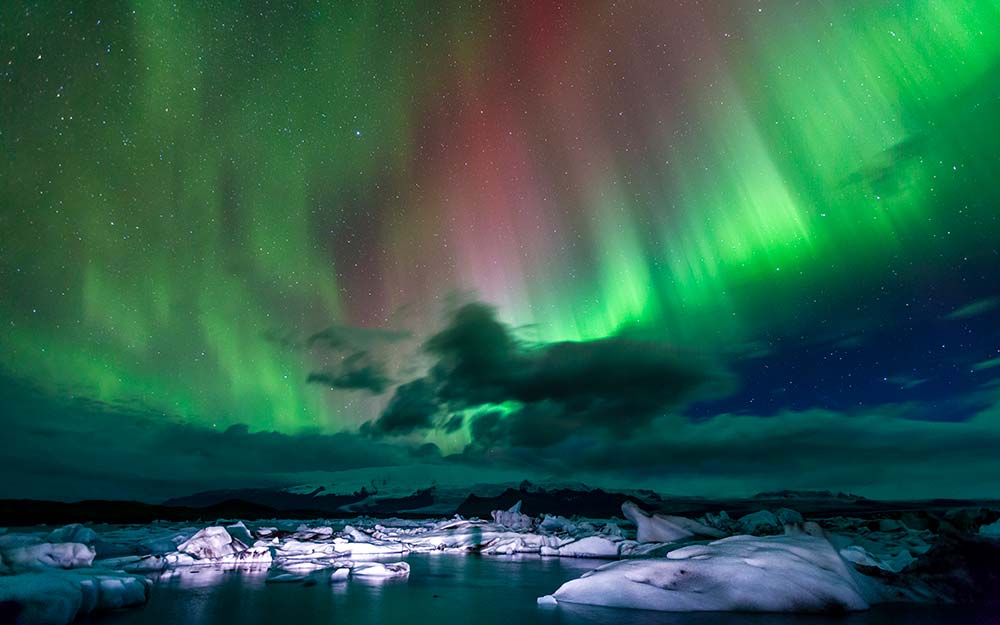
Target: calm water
{"points": [[450, 589]]}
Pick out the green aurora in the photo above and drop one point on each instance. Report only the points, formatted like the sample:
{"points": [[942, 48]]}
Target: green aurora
{"points": [[191, 191]]}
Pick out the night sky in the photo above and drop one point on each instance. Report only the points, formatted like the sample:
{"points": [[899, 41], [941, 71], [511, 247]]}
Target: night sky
{"points": [[709, 248]]}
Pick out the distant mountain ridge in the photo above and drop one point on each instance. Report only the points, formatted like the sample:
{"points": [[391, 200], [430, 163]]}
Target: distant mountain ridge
{"points": [[431, 493]]}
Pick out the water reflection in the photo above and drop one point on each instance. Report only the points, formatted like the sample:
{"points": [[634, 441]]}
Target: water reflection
{"points": [[209, 575]]}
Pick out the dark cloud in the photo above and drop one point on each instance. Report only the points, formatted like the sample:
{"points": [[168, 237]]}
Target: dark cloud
{"points": [[616, 384], [878, 451], [487, 429], [75, 449], [338, 337], [356, 372], [412, 407], [453, 423]]}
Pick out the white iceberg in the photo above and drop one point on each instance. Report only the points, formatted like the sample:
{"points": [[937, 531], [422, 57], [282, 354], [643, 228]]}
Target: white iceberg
{"points": [[592, 547], [380, 570], [658, 528], [800, 573], [48, 555], [340, 574], [512, 518], [215, 544], [210, 543]]}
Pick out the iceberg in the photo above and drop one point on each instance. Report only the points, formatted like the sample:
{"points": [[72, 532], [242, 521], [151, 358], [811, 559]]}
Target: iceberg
{"points": [[74, 533], [240, 532], [56, 597], [512, 518], [380, 570], [800, 573], [48, 555], [210, 543], [658, 528], [340, 574], [991, 530], [592, 547]]}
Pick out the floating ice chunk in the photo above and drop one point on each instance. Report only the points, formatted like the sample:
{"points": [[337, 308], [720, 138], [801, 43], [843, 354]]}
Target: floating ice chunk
{"points": [[372, 548], [890, 525], [49, 555], [293, 547], [659, 528], [632, 549], [135, 564], [162, 544], [305, 532], [480, 536], [787, 516], [340, 574], [380, 569], [355, 535], [762, 522], [74, 533], [253, 555], [720, 521], [990, 531], [591, 547], [776, 574], [210, 543], [552, 523], [858, 555], [240, 532], [179, 559], [611, 529], [512, 518], [59, 597], [9, 541], [511, 542]]}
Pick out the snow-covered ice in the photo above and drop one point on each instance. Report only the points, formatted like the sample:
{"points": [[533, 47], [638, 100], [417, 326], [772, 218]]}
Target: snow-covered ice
{"points": [[799, 573]]}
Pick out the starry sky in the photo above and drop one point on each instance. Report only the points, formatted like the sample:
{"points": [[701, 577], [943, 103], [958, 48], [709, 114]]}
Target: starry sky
{"points": [[704, 247]]}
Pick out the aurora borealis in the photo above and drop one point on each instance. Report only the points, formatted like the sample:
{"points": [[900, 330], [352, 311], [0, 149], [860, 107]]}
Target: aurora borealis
{"points": [[249, 231]]}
